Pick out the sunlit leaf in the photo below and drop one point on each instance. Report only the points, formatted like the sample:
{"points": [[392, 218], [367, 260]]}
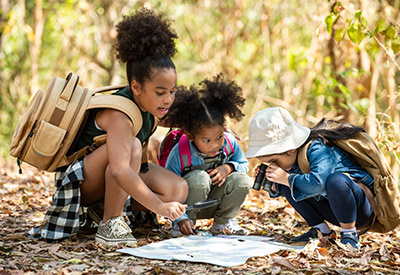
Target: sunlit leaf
{"points": [[323, 251], [73, 261], [374, 32], [396, 45], [358, 14], [390, 32], [364, 21], [329, 20], [355, 32], [29, 32], [339, 34], [41, 259]]}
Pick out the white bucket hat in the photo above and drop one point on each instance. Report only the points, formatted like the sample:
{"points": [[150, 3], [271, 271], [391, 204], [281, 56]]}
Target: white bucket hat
{"points": [[274, 131]]}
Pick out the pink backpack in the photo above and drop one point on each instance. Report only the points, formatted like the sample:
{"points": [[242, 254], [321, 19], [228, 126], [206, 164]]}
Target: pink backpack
{"points": [[178, 136]]}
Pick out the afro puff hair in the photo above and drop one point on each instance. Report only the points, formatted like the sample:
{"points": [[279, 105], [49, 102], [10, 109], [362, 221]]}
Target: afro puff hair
{"points": [[144, 34], [206, 105]]}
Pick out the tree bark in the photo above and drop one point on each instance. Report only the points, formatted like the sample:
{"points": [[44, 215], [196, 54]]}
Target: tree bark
{"points": [[334, 69], [36, 45]]}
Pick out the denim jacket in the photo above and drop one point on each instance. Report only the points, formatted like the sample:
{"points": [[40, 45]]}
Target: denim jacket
{"points": [[324, 160], [238, 160]]}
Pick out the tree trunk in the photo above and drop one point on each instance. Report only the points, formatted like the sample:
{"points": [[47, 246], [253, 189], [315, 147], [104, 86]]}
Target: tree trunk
{"points": [[368, 81], [4, 7], [36, 45], [334, 69], [392, 111]]}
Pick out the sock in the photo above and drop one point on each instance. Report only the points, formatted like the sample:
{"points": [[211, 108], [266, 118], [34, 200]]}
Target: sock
{"points": [[323, 227], [349, 230]]}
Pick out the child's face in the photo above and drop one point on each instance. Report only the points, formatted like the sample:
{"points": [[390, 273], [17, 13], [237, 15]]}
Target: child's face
{"points": [[283, 160], [209, 140], [157, 94]]}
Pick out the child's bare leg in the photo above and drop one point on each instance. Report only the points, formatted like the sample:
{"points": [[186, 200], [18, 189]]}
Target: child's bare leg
{"points": [[99, 182], [94, 167], [348, 225]]}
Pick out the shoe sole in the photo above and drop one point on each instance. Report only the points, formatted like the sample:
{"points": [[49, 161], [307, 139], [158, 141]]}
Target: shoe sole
{"points": [[114, 242]]}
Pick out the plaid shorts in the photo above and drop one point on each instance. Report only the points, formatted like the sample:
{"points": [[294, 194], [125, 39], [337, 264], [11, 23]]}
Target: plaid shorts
{"points": [[62, 218], [66, 214]]}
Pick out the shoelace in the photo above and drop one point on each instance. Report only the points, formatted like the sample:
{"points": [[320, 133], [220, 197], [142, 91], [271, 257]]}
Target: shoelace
{"points": [[119, 227]]}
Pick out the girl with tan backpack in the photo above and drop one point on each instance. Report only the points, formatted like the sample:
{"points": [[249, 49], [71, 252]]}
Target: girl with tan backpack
{"points": [[331, 190], [115, 171]]}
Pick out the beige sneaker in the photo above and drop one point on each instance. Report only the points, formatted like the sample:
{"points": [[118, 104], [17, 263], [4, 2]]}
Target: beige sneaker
{"points": [[115, 231], [232, 227]]}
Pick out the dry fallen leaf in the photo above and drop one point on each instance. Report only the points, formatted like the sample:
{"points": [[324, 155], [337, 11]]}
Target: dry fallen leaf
{"points": [[25, 198]]}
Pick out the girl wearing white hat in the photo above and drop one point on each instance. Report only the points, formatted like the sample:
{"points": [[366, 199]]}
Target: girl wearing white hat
{"points": [[328, 193]]}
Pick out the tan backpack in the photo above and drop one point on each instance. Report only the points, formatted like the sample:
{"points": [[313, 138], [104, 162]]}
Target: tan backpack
{"points": [[386, 203], [47, 130]]}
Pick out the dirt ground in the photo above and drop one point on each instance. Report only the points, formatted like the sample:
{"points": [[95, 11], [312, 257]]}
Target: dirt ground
{"points": [[25, 198]]}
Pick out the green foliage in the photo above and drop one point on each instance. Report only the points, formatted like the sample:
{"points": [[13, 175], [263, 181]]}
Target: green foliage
{"points": [[329, 21], [279, 52], [396, 45], [355, 31]]}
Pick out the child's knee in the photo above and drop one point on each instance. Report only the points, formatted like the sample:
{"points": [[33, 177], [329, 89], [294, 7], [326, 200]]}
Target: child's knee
{"points": [[336, 182], [198, 179], [181, 190]]}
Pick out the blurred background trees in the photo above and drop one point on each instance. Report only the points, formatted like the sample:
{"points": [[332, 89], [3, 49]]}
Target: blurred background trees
{"points": [[316, 58]]}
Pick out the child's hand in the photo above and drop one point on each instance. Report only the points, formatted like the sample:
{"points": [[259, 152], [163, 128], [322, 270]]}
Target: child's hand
{"points": [[172, 210], [219, 174], [186, 227], [276, 174], [256, 171]]}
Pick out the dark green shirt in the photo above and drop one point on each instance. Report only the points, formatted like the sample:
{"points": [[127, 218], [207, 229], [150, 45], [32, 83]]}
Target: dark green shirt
{"points": [[90, 130]]}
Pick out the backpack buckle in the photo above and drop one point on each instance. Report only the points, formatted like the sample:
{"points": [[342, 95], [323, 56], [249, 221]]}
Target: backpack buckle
{"points": [[91, 148]]}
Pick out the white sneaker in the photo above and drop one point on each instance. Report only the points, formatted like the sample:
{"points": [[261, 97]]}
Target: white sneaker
{"points": [[115, 231], [232, 227]]}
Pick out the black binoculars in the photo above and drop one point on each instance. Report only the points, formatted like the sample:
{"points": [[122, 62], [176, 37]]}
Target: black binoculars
{"points": [[261, 180]]}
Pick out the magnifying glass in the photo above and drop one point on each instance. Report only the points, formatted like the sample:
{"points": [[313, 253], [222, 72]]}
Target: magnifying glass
{"points": [[204, 204]]}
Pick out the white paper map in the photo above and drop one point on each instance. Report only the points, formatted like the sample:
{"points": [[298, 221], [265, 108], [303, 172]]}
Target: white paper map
{"points": [[225, 250]]}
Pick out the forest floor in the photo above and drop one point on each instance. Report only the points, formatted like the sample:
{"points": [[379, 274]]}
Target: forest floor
{"points": [[25, 198]]}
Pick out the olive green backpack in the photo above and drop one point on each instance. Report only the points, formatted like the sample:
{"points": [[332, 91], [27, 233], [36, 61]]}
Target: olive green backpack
{"points": [[363, 150], [47, 130]]}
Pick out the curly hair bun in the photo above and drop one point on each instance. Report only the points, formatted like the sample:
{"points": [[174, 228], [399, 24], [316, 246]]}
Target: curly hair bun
{"points": [[144, 35], [224, 94]]}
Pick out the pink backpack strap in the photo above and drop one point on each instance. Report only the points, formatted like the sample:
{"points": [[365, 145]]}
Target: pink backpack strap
{"points": [[228, 149], [184, 153]]}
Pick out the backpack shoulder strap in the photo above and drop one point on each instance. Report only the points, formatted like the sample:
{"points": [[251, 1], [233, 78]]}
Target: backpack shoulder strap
{"points": [[108, 88], [119, 103], [302, 159], [122, 104], [228, 149], [184, 153]]}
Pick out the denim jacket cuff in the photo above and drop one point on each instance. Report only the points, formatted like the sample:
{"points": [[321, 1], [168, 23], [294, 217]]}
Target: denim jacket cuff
{"points": [[183, 217]]}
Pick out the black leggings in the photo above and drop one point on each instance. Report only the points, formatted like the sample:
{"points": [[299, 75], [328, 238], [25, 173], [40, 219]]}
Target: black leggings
{"points": [[345, 203]]}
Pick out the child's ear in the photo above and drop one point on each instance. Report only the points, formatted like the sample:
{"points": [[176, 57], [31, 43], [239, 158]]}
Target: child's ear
{"points": [[135, 87], [189, 136], [291, 152]]}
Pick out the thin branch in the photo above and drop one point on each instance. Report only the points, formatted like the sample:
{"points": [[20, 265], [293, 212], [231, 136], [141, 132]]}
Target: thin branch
{"points": [[387, 52]]}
